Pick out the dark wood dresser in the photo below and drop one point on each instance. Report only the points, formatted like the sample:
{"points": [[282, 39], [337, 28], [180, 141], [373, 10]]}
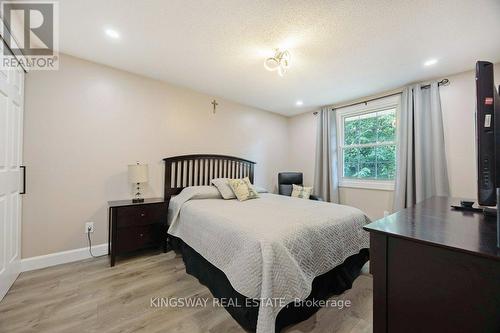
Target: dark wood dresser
{"points": [[136, 226], [435, 269]]}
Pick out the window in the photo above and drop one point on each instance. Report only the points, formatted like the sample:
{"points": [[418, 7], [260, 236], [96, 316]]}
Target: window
{"points": [[367, 144]]}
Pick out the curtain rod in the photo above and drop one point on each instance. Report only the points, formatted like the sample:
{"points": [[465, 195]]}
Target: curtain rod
{"points": [[443, 82]]}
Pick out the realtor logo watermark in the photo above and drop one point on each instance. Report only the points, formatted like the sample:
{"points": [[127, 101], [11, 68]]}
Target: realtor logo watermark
{"points": [[31, 32]]}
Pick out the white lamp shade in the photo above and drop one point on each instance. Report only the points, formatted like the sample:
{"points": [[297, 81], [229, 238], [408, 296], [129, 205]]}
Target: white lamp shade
{"points": [[138, 173]]}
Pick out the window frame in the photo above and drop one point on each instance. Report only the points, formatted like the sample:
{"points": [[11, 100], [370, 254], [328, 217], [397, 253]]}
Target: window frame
{"points": [[391, 102]]}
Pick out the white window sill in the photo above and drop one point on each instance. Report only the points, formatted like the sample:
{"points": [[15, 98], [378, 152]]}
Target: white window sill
{"points": [[367, 184]]}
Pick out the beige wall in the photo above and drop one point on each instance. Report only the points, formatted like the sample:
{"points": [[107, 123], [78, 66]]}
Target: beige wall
{"points": [[86, 122], [302, 145], [373, 202], [458, 105]]}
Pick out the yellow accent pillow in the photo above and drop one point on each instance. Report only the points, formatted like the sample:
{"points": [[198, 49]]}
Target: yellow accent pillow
{"points": [[243, 189], [301, 191]]}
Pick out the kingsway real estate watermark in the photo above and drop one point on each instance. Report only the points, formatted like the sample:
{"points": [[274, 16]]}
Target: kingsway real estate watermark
{"points": [[200, 302]]}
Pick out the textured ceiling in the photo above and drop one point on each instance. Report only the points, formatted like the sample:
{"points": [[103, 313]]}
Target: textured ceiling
{"points": [[340, 49]]}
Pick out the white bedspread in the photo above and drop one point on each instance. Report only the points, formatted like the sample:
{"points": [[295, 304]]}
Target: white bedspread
{"points": [[269, 248]]}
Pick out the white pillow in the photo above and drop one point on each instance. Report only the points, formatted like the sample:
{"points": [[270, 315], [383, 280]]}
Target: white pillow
{"points": [[225, 190], [200, 192]]}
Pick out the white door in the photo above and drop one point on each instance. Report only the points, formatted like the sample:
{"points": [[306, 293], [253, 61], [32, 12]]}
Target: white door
{"points": [[11, 135]]}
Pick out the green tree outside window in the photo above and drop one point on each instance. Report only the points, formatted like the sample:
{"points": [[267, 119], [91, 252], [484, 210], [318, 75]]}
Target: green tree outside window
{"points": [[369, 147]]}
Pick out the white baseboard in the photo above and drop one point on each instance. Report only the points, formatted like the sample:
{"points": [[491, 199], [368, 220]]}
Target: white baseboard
{"points": [[64, 257]]}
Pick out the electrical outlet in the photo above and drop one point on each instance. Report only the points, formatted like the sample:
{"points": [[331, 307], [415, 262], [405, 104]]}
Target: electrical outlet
{"points": [[89, 227]]}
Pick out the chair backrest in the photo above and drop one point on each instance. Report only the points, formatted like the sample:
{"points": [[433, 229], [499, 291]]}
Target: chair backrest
{"points": [[287, 179]]}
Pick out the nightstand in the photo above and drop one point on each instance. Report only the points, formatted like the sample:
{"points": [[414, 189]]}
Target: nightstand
{"points": [[136, 226]]}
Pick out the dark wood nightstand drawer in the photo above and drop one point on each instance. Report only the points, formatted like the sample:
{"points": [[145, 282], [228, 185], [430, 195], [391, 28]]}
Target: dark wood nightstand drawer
{"points": [[141, 215], [134, 238], [136, 226]]}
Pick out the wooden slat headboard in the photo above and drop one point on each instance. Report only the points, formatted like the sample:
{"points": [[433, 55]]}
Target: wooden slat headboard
{"points": [[193, 170]]}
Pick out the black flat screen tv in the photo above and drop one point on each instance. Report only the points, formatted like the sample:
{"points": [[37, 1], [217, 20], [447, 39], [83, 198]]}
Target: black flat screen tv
{"points": [[487, 134]]}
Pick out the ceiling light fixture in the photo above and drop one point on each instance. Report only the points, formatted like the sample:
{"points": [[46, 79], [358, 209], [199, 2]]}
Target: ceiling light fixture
{"points": [[430, 62], [279, 62], [299, 103], [112, 33]]}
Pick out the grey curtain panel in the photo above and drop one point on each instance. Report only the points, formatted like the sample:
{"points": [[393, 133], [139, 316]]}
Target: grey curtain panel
{"points": [[326, 183], [421, 171]]}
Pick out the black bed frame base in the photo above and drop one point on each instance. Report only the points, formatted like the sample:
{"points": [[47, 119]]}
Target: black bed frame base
{"points": [[324, 286]]}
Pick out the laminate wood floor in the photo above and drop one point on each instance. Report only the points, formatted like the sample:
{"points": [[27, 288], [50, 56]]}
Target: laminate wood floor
{"points": [[90, 296]]}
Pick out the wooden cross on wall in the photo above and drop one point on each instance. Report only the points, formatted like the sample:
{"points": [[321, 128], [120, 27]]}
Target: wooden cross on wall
{"points": [[214, 103]]}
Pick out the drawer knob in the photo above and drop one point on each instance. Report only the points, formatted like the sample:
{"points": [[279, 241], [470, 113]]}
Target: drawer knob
{"points": [[142, 214], [141, 235]]}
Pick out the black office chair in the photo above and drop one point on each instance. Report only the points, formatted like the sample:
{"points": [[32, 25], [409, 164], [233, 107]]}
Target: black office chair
{"points": [[287, 179]]}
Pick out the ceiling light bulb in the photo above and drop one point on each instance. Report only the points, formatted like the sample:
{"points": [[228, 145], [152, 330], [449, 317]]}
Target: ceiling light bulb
{"points": [[299, 103], [271, 64], [430, 62], [280, 62], [112, 33]]}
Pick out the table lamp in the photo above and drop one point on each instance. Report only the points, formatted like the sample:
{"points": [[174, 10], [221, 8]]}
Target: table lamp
{"points": [[137, 174]]}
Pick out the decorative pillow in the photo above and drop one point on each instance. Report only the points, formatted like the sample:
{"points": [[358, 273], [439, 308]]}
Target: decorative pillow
{"points": [[243, 189], [301, 191], [225, 190]]}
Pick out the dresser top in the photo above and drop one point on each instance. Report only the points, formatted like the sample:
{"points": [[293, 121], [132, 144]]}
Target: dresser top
{"points": [[121, 203], [434, 221]]}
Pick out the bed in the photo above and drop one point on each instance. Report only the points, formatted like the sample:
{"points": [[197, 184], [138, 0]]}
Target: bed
{"points": [[274, 258]]}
